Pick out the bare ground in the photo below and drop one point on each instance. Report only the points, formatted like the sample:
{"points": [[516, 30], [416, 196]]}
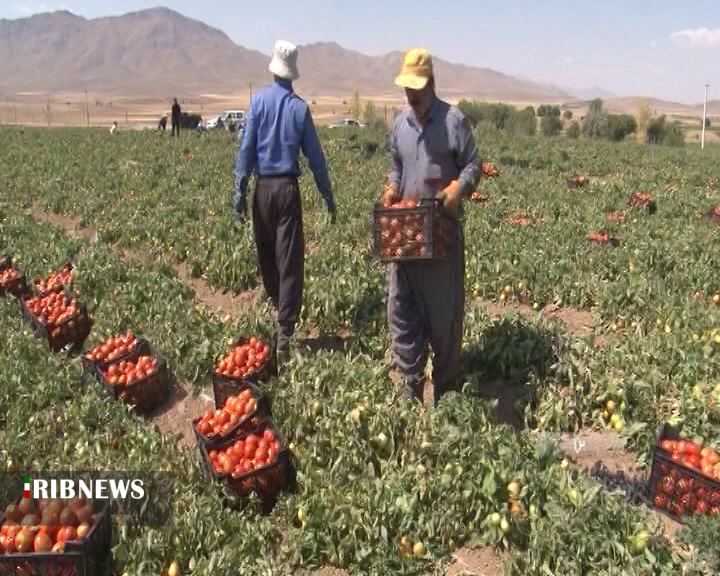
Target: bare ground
{"points": [[476, 562], [177, 414]]}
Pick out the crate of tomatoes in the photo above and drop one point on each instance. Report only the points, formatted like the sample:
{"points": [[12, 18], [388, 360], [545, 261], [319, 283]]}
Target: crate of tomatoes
{"points": [[111, 351], [55, 537], [241, 411], [142, 379], [12, 281], [410, 230], [59, 318], [685, 476], [249, 360], [255, 461], [56, 282]]}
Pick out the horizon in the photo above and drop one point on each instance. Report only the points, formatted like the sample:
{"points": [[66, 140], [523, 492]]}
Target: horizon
{"points": [[558, 48]]}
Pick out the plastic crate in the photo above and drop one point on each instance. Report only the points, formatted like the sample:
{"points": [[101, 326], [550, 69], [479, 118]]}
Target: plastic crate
{"points": [[675, 489], [248, 423], [224, 385], [144, 395], [411, 234], [68, 266], [17, 287], [79, 558], [90, 366], [265, 482], [70, 333]]}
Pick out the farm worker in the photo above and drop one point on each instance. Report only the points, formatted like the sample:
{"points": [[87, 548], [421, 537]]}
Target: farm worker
{"points": [[113, 128], [162, 125], [278, 125], [433, 154], [176, 114]]}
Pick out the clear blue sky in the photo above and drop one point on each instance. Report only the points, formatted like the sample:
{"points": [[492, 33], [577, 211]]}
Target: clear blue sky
{"points": [[663, 48]]}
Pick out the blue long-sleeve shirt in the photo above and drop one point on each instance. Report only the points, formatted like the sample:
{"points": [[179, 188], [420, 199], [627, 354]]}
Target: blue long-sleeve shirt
{"points": [[279, 125]]}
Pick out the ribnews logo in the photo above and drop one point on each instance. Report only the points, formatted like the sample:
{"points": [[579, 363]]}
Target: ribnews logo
{"points": [[99, 489], [135, 498]]}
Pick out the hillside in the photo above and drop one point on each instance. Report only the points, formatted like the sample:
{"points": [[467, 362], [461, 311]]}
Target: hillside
{"points": [[160, 52]]}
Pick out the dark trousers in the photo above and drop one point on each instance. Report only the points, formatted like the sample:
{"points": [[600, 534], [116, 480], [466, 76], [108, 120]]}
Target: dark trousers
{"points": [[426, 304], [280, 244], [176, 128]]}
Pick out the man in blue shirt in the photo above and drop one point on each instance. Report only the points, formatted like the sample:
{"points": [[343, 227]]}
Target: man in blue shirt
{"points": [[279, 125]]}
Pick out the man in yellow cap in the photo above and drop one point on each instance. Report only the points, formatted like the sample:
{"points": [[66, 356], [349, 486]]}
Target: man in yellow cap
{"points": [[433, 155]]}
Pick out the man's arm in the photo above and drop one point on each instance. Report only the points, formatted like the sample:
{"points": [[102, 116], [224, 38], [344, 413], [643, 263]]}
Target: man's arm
{"points": [[467, 157], [245, 161], [395, 162], [313, 152]]}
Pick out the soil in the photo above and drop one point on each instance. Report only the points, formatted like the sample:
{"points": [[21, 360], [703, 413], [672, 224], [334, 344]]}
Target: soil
{"points": [[330, 571], [507, 395], [70, 224], [476, 562], [225, 302], [313, 340], [176, 415], [579, 323]]}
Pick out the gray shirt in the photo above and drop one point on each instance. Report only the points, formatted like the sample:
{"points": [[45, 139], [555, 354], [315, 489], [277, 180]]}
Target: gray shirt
{"points": [[425, 158]]}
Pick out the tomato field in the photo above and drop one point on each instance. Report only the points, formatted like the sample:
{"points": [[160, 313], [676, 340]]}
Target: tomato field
{"points": [[566, 330]]}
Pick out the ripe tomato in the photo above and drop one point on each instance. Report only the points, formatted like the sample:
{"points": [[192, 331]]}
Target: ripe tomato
{"points": [[701, 507], [692, 448], [268, 435], [68, 517], [708, 470], [692, 460], [668, 445], [661, 500]]}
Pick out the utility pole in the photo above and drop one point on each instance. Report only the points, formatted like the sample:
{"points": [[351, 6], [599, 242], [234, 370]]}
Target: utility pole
{"points": [[702, 144], [87, 109]]}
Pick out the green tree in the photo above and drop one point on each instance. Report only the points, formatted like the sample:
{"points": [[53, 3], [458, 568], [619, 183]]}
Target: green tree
{"points": [[707, 122], [644, 116], [573, 131], [550, 125], [369, 116], [568, 114], [595, 122], [620, 126], [355, 109]]}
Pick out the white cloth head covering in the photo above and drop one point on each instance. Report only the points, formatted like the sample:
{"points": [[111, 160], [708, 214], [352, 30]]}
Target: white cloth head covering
{"points": [[284, 61]]}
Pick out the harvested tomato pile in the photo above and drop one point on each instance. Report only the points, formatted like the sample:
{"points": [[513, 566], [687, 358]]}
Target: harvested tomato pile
{"points": [[600, 237], [578, 182], [221, 422], [640, 200], [129, 372], [687, 482], [618, 217], [477, 197], [8, 277], [489, 170], [694, 456], [247, 358], [246, 454], [45, 525], [521, 220], [55, 282], [53, 308], [113, 348]]}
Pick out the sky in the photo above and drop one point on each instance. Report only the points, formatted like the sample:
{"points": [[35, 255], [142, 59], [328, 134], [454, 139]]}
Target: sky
{"points": [[659, 48]]}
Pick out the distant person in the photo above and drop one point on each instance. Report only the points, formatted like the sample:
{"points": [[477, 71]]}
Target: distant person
{"points": [[162, 125], [114, 128], [176, 116], [279, 125]]}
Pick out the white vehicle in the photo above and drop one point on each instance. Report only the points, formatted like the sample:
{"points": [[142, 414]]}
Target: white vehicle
{"points": [[347, 123], [236, 117]]}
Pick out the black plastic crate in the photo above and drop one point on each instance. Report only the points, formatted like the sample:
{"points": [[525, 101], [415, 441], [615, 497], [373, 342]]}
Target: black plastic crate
{"points": [[70, 333], [408, 234], [226, 385], [265, 482], [79, 558], [675, 489], [90, 366], [247, 423], [144, 395]]}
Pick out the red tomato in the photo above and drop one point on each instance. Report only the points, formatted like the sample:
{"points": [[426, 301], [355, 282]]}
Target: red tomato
{"points": [[693, 461], [668, 445], [268, 435], [692, 449]]}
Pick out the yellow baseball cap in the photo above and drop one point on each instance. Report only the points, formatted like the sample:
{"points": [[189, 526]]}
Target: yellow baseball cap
{"points": [[416, 69]]}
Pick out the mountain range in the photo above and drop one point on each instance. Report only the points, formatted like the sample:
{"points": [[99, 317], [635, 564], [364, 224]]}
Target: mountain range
{"points": [[161, 52]]}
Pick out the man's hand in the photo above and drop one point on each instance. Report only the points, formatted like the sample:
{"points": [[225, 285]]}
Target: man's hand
{"points": [[450, 198], [390, 195]]}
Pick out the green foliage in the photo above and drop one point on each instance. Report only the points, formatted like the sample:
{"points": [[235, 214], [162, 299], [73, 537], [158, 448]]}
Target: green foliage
{"points": [[660, 131], [548, 110], [620, 126], [567, 115], [551, 125], [355, 106], [573, 131], [500, 117]]}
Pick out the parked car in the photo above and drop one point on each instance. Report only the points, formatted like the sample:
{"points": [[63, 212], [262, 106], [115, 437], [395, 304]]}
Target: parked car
{"points": [[347, 123], [236, 118]]}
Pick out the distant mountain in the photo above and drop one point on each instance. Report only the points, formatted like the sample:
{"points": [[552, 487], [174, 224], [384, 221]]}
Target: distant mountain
{"points": [[160, 52]]}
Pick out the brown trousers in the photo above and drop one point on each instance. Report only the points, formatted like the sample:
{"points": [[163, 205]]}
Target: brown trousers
{"points": [[280, 244]]}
